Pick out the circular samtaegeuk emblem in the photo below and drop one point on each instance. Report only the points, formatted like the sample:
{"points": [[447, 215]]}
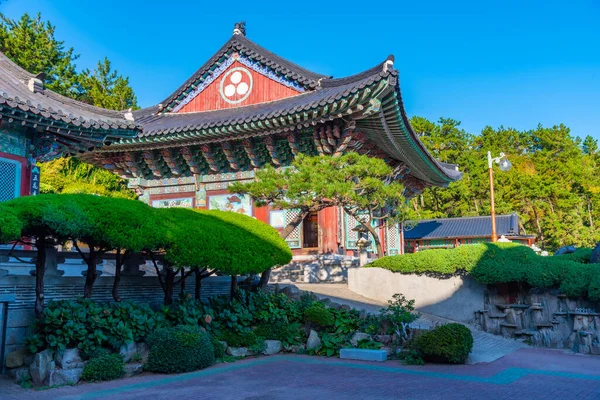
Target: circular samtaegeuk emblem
{"points": [[236, 85]]}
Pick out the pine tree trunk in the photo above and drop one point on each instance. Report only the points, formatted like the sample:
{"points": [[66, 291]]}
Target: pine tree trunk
{"points": [[118, 268], [169, 285], [40, 270], [293, 224], [234, 287], [197, 288], [91, 274]]}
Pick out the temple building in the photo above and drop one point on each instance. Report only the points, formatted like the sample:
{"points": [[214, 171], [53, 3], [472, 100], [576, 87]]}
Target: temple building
{"points": [[37, 124], [247, 107]]}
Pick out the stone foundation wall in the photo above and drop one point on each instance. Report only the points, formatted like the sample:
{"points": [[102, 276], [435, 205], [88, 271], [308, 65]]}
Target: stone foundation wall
{"points": [[315, 269]]}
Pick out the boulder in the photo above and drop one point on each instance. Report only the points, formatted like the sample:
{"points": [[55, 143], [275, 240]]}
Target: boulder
{"points": [[15, 359], [60, 377], [295, 348], [385, 339], [41, 366], [565, 250], [127, 351], [237, 351], [20, 374], [224, 345], [388, 350], [272, 347], [313, 341], [345, 307], [334, 305], [595, 258], [133, 369], [68, 359], [143, 350], [357, 337]]}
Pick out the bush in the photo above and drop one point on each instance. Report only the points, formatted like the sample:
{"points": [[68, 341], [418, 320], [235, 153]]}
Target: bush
{"points": [[492, 263], [288, 334], [179, 349], [245, 338], [217, 347], [103, 367], [450, 343], [319, 315]]}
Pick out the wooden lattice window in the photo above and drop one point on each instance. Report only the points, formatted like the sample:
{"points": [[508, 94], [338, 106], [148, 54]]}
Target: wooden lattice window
{"points": [[10, 179]]}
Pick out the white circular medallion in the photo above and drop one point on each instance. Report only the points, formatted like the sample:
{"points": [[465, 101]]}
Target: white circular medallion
{"points": [[236, 85]]}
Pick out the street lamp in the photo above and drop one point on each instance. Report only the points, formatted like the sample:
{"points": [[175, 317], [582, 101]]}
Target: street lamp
{"points": [[504, 165]]}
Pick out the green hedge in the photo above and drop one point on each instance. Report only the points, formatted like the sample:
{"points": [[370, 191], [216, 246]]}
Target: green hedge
{"points": [[103, 367], [179, 349], [492, 263], [450, 343]]}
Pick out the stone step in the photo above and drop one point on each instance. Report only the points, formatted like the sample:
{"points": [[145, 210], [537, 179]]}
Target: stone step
{"points": [[497, 315], [517, 306], [525, 332]]}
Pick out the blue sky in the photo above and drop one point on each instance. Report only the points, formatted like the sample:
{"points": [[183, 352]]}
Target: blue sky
{"points": [[511, 63]]}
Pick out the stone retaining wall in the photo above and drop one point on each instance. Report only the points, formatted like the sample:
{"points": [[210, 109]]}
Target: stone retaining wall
{"points": [[315, 269]]}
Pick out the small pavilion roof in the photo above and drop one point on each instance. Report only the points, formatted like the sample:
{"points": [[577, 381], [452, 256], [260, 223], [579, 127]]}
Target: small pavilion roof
{"points": [[23, 97]]}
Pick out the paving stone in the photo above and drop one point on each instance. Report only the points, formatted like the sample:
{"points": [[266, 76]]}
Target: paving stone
{"points": [[363, 354]]}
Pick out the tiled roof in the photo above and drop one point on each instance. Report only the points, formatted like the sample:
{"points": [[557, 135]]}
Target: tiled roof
{"points": [[16, 93], [239, 43], [443, 228]]}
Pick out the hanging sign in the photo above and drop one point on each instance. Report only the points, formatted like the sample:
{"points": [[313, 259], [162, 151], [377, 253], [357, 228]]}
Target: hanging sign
{"points": [[35, 181]]}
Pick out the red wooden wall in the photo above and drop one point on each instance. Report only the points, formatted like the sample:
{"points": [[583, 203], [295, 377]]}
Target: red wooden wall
{"points": [[263, 89]]}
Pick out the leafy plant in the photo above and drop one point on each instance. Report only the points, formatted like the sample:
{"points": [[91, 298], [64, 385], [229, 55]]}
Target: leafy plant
{"points": [[399, 313], [368, 344], [217, 346], [245, 338], [179, 349], [330, 345], [104, 367]]}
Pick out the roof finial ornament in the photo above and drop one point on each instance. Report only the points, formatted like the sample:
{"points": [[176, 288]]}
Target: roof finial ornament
{"points": [[239, 28], [388, 65]]}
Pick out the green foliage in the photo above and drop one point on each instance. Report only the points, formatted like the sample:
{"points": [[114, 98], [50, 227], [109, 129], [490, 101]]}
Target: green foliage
{"points": [[103, 367], [581, 255], [331, 345], [10, 225], [217, 347], [72, 176], [89, 326], [352, 181], [491, 263], [412, 357], [287, 333], [179, 349], [106, 88], [368, 344], [188, 311], [399, 313], [319, 315], [244, 338], [450, 343]]}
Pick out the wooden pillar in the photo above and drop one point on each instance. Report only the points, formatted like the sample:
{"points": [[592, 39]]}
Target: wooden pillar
{"points": [[328, 230]]}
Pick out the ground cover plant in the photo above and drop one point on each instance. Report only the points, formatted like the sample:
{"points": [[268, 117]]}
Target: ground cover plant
{"points": [[492, 263]]}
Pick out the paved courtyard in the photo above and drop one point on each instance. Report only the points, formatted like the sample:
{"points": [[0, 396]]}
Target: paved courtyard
{"points": [[524, 374]]}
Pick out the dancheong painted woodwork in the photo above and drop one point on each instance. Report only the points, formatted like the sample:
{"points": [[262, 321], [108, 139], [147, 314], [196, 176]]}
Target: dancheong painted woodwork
{"points": [[246, 107]]}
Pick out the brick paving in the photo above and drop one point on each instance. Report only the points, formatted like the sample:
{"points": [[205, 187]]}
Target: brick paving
{"points": [[524, 374], [486, 347]]}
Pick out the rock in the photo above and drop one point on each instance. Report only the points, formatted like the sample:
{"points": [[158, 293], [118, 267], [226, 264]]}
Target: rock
{"points": [[68, 359], [133, 369], [143, 350], [345, 307], [127, 351], [60, 377], [15, 359], [224, 344], [289, 291], [335, 306], [313, 341], [595, 349], [388, 350], [595, 258], [41, 366], [385, 339], [237, 351], [565, 250], [295, 348], [358, 336], [20, 374], [272, 347]]}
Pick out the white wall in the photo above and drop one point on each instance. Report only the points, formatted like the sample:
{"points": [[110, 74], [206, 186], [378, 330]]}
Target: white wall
{"points": [[455, 298]]}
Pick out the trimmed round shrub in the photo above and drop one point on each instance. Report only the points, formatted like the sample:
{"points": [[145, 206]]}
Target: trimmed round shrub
{"points": [[179, 349], [319, 315], [244, 338], [217, 346], [103, 367], [450, 343]]}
